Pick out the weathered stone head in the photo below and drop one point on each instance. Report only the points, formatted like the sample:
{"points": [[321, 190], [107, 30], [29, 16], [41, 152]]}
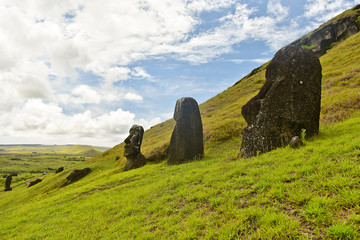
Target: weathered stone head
{"points": [[134, 140], [8, 183], [132, 147], [288, 102], [187, 138]]}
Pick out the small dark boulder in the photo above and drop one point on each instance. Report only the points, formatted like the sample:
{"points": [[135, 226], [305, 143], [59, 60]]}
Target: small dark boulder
{"points": [[8, 183], [288, 102], [59, 170], [296, 142], [158, 154], [34, 182], [76, 175], [132, 148], [187, 137]]}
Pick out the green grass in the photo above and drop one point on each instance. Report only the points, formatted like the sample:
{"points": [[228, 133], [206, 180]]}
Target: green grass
{"points": [[311, 192], [307, 47], [49, 149]]}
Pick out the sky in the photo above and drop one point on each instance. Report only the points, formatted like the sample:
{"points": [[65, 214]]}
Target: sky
{"points": [[83, 72]]}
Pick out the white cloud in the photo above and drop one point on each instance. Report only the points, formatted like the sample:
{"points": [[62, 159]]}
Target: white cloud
{"points": [[141, 73], [133, 97], [209, 5], [122, 33], [256, 60], [116, 74], [85, 94], [36, 118], [25, 80], [50, 48], [323, 10], [240, 25], [277, 10]]}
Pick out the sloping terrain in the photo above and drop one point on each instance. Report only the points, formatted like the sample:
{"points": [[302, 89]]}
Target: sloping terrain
{"points": [[221, 115], [49, 149], [309, 193], [312, 192], [82, 150]]}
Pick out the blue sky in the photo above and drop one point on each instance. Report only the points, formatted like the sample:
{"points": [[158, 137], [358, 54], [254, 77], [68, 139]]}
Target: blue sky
{"points": [[82, 72]]}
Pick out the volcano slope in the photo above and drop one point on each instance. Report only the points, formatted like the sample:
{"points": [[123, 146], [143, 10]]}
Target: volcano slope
{"points": [[309, 193]]}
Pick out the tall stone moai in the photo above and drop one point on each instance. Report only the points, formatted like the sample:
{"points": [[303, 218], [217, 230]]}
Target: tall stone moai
{"points": [[288, 102], [8, 183], [187, 138], [135, 158]]}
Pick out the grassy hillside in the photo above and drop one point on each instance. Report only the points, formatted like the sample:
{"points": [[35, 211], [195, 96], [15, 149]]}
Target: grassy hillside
{"points": [[29, 161], [312, 192], [32, 148], [221, 115], [49, 149], [309, 193], [82, 150]]}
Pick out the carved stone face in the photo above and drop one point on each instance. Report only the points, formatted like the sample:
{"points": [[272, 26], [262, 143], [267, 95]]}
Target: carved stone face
{"points": [[133, 141]]}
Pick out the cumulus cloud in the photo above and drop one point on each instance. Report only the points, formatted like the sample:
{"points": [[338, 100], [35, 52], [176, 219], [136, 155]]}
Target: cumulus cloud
{"points": [[323, 10], [85, 94], [276, 9], [59, 56], [133, 97], [257, 60], [209, 5], [116, 74], [36, 117], [237, 26], [141, 73]]}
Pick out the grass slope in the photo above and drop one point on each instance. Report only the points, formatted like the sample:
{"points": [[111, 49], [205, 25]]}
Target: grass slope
{"points": [[312, 192], [49, 149], [221, 115], [29, 161], [82, 150]]}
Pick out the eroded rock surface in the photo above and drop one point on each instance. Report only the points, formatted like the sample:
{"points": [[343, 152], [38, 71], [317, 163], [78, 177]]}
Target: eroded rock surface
{"points": [[288, 102], [332, 32], [187, 138]]}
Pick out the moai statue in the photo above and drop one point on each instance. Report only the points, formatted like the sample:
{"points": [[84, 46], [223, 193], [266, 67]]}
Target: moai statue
{"points": [[288, 102], [8, 183], [134, 157], [187, 138]]}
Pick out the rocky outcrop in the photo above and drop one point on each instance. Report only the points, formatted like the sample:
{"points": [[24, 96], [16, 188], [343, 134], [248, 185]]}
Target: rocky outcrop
{"points": [[288, 102], [296, 142], [158, 154], [59, 170], [135, 158], [76, 175], [335, 30], [34, 182], [186, 141]]}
